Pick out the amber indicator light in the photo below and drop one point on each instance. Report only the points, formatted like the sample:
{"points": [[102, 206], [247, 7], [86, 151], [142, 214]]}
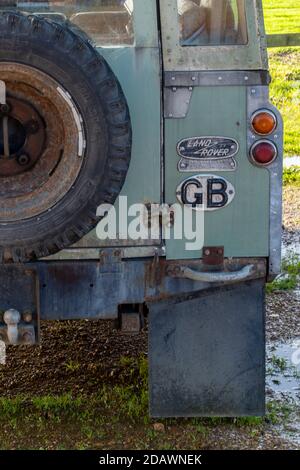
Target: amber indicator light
{"points": [[264, 122]]}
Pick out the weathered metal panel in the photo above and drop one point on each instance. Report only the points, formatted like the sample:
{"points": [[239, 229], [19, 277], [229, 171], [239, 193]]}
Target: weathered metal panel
{"points": [[207, 353], [145, 23], [89, 289], [222, 111], [138, 70]]}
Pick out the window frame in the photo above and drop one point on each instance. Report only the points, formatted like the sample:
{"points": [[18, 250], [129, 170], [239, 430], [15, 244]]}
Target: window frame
{"points": [[250, 56]]}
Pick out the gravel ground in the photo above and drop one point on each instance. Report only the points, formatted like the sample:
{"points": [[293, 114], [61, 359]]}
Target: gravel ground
{"points": [[80, 357], [283, 308]]}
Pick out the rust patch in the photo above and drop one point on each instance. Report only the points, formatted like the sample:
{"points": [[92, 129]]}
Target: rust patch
{"points": [[65, 274], [53, 137]]}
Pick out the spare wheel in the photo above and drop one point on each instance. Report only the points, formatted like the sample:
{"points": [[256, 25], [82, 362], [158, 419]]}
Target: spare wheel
{"points": [[65, 136]]}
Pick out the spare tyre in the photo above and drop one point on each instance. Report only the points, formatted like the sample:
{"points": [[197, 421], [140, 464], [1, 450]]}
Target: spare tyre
{"points": [[65, 136]]}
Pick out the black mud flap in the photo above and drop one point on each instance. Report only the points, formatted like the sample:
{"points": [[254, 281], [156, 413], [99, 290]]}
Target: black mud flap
{"points": [[207, 353]]}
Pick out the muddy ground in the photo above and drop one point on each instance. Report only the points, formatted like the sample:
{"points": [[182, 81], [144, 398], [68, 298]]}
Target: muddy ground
{"points": [[80, 358]]}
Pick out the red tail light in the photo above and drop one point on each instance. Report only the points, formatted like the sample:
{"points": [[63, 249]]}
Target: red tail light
{"points": [[263, 152]]}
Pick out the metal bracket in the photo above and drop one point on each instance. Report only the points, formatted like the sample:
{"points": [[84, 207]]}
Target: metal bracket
{"points": [[131, 322], [177, 101], [217, 78], [213, 255], [179, 86]]}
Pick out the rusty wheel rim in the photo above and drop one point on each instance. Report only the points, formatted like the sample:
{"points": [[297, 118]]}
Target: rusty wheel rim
{"points": [[43, 143]]}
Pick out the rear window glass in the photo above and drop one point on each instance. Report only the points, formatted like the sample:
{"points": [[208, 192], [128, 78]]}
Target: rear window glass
{"points": [[106, 22], [212, 22]]}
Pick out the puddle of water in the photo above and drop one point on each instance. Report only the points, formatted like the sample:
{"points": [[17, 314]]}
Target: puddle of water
{"points": [[290, 250], [283, 379], [291, 161], [283, 369]]}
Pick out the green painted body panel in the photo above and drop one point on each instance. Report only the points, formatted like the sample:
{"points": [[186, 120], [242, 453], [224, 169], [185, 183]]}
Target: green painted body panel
{"points": [[138, 70], [213, 111], [216, 111]]}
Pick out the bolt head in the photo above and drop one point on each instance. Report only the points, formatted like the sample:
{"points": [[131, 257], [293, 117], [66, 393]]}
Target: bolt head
{"points": [[23, 159], [4, 108], [27, 317]]}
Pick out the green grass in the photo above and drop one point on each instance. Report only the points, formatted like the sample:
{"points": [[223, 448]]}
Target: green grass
{"points": [[282, 16], [115, 418], [279, 363], [291, 176], [285, 93], [289, 278]]}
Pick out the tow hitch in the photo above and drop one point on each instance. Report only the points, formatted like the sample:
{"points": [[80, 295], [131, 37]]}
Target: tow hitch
{"points": [[19, 314]]}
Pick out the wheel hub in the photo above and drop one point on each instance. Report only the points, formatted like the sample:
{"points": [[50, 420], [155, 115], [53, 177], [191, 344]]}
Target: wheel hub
{"points": [[22, 137], [42, 142]]}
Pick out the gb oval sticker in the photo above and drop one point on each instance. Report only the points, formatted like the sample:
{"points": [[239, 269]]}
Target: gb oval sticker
{"points": [[205, 192]]}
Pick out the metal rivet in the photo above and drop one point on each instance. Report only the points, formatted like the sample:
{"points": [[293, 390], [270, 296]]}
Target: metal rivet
{"points": [[220, 78], [173, 78], [253, 91], [170, 115], [174, 88], [246, 78], [190, 88], [194, 79]]}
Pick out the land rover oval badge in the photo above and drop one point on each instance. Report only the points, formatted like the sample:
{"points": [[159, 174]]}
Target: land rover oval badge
{"points": [[207, 153]]}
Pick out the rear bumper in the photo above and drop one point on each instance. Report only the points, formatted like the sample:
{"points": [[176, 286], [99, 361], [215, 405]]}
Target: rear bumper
{"points": [[95, 289]]}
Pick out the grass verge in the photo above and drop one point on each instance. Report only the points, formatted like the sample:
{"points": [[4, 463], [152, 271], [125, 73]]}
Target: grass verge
{"points": [[291, 176], [117, 418], [288, 280], [285, 94]]}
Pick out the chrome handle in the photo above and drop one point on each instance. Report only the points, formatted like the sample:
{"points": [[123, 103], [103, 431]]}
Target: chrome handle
{"points": [[235, 276]]}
